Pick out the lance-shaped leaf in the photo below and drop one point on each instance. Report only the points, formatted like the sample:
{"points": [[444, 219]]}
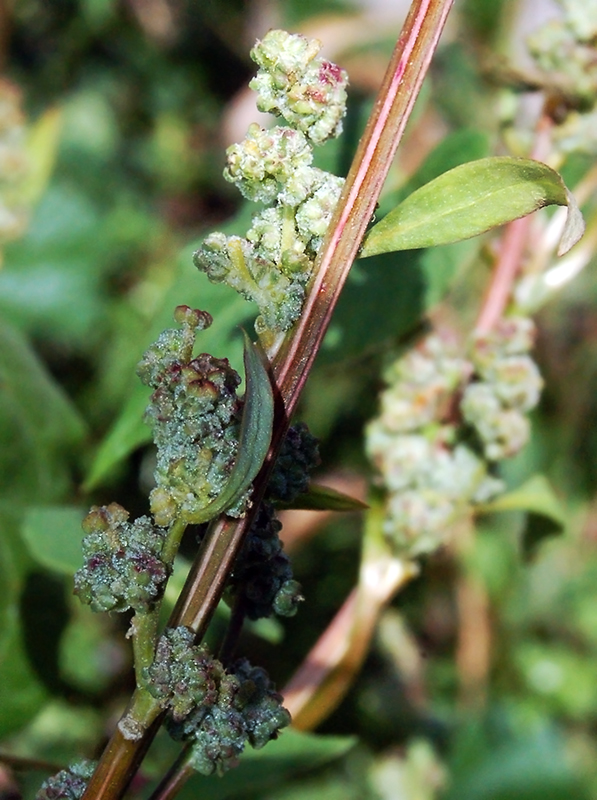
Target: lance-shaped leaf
{"points": [[323, 498], [254, 439], [545, 514], [471, 199], [536, 496]]}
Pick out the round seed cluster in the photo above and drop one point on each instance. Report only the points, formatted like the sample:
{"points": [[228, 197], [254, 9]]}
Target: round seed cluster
{"points": [[218, 711], [122, 568]]}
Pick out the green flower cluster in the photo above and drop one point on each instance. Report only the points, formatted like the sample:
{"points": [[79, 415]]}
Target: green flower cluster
{"points": [[68, 784], [273, 264], [195, 414], [507, 386], [566, 50], [307, 91], [219, 712], [123, 568], [430, 476], [14, 164]]}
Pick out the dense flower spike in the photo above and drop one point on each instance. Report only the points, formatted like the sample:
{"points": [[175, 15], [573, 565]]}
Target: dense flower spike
{"points": [[219, 712], [68, 784], [122, 567], [565, 50], [195, 413], [508, 385], [421, 448], [273, 264]]}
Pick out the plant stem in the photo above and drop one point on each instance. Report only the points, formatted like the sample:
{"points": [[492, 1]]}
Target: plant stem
{"points": [[143, 632], [178, 774], [292, 360]]}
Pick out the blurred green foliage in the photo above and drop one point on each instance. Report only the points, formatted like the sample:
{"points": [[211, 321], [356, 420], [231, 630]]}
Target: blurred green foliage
{"points": [[142, 91]]}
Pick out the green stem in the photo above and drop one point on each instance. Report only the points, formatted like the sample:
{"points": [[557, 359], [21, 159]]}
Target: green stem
{"points": [[292, 360], [173, 540], [143, 632]]}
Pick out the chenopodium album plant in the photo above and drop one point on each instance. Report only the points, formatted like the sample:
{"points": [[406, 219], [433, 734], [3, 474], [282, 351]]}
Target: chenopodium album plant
{"points": [[450, 414]]}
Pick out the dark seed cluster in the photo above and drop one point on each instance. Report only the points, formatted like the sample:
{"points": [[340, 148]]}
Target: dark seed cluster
{"points": [[218, 711]]}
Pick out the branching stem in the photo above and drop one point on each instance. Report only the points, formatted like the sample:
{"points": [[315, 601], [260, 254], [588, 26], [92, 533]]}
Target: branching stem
{"points": [[292, 359]]}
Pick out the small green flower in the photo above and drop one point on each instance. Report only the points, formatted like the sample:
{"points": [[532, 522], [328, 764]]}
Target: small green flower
{"points": [[68, 784], [123, 568]]}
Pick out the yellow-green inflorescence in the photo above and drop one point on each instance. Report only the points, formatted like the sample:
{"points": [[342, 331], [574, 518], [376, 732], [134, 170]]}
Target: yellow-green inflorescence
{"points": [[445, 421], [272, 265]]}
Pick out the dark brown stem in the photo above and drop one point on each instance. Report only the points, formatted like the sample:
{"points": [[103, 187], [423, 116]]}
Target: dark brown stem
{"points": [[233, 631], [292, 362], [175, 778]]}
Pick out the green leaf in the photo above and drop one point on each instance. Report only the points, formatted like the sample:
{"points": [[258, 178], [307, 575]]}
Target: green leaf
{"points": [[39, 428], [293, 752], [534, 495], [387, 295], [254, 439], [322, 498], [469, 200], [21, 694], [53, 535]]}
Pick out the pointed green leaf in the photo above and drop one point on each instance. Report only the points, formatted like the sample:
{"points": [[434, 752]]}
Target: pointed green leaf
{"points": [[39, 427], [536, 496], [469, 200], [53, 535], [322, 498], [255, 436]]}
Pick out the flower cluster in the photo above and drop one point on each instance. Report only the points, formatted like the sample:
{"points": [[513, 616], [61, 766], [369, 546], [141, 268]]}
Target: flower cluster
{"points": [[507, 386], [421, 442], [273, 264], [430, 477], [123, 568], [68, 784], [565, 49], [218, 711], [14, 163], [195, 414]]}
